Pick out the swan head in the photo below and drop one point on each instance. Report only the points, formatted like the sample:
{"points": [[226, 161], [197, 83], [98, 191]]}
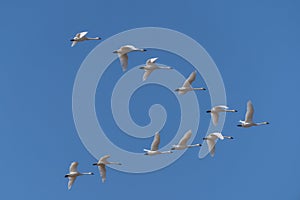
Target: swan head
{"points": [[234, 110], [143, 49], [72, 40], [115, 51], [91, 173], [95, 163], [239, 125], [66, 176], [141, 67], [209, 111], [176, 90], [267, 122], [204, 138], [146, 153], [230, 137]]}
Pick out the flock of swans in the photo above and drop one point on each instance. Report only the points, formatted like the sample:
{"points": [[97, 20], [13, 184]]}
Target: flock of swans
{"points": [[154, 149]]}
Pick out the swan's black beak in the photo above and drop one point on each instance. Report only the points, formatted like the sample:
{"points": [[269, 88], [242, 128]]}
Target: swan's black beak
{"points": [[66, 176], [235, 110], [115, 51], [72, 40], [94, 163], [231, 137], [204, 138], [144, 49], [209, 111], [92, 173], [176, 90], [267, 122], [239, 125]]}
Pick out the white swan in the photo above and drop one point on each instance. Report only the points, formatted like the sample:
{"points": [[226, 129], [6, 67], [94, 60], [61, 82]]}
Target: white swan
{"points": [[122, 53], [182, 143], [215, 112], [211, 141], [79, 37], [154, 147], [72, 175], [101, 165], [248, 122], [187, 84], [150, 67]]}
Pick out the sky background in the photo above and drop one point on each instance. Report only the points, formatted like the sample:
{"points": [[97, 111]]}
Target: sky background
{"points": [[255, 46]]}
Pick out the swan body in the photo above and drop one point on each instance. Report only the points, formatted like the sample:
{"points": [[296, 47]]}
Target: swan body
{"points": [[73, 174], [215, 112], [122, 53], [183, 142], [80, 37], [102, 166], [154, 147], [150, 67], [211, 141], [248, 122], [186, 87]]}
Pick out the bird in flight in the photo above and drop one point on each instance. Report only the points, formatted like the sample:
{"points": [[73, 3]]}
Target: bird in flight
{"points": [[186, 87], [73, 174], [102, 166], [211, 141], [154, 147], [248, 122], [79, 37], [183, 142], [150, 67], [215, 112], [122, 53]]}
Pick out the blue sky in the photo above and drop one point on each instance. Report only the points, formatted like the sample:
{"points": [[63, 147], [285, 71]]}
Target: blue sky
{"points": [[255, 46]]}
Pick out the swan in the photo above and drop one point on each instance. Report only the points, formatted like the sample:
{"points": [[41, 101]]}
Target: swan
{"points": [[101, 165], [79, 37], [150, 67], [211, 141], [122, 53], [215, 112], [72, 175], [248, 122], [154, 147], [187, 84], [182, 143]]}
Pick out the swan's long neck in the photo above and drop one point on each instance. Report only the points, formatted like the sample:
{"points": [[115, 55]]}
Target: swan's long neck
{"points": [[96, 38], [230, 110], [199, 89], [114, 163], [87, 173], [164, 67], [166, 152], [262, 123], [194, 145]]}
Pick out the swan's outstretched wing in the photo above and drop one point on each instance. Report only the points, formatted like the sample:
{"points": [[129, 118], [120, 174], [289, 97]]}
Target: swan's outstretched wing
{"points": [[103, 159], [124, 61], [155, 143], [102, 170], [151, 61], [146, 74], [211, 147], [217, 136], [71, 181], [215, 117], [73, 167], [185, 138], [249, 113], [82, 34], [190, 79]]}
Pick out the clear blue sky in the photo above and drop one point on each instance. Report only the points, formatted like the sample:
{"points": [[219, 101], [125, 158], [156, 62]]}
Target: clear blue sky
{"points": [[255, 46]]}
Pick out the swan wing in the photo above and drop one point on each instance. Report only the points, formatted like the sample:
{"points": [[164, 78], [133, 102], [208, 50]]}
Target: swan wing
{"points": [[71, 181], [74, 43], [73, 167], [102, 170], [220, 108], [190, 79], [155, 143], [146, 74], [82, 34], [250, 111], [185, 138], [124, 61], [215, 117], [217, 136], [103, 159], [151, 61], [211, 147]]}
